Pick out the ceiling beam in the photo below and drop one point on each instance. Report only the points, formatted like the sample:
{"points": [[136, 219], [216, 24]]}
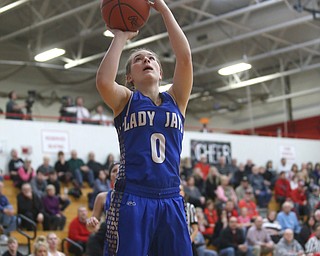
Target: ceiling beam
{"points": [[150, 39], [94, 3], [262, 79]]}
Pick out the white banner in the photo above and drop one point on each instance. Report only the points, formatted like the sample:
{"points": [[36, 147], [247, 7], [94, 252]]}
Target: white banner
{"points": [[54, 141]]}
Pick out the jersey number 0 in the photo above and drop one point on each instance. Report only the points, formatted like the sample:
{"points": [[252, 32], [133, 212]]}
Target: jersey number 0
{"points": [[158, 147]]}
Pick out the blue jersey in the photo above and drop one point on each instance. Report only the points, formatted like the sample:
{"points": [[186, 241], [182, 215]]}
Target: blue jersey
{"points": [[150, 139]]}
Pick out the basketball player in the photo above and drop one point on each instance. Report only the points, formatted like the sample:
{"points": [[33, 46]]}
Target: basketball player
{"points": [[146, 214]]}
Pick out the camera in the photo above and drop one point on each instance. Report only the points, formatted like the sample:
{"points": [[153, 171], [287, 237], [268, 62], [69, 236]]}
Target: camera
{"points": [[30, 100]]}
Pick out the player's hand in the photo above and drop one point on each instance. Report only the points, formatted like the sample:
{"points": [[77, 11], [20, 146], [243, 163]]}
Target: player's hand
{"points": [[92, 222], [128, 34], [158, 5]]}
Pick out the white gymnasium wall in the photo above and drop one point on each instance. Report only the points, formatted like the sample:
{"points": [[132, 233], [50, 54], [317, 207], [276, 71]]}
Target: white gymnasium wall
{"points": [[103, 140]]}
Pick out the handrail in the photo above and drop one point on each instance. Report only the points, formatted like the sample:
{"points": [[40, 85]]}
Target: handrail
{"points": [[21, 231], [66, 239]]}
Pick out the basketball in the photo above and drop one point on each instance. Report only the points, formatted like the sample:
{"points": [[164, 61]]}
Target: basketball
{"points": [[125, 15]]}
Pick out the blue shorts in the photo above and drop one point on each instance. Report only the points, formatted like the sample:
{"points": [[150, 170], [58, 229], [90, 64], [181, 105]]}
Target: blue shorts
{"points": [[141, 226]]}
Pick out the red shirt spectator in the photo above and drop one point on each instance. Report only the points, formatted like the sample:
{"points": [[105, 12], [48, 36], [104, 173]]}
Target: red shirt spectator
{"points": [[248, 203], [78, 231], [299, 194], [203, 166], [211, 216], [282, 189]]}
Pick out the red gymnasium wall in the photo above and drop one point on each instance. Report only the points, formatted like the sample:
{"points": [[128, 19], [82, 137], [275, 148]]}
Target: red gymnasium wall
{"points": [[307, 128]]}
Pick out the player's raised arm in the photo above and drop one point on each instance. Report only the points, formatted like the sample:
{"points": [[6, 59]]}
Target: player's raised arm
{"points": [[94, 220], [114, 95], [183, 74]]}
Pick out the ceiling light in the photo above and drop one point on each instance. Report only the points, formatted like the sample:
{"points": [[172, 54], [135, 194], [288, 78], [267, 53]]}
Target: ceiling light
{"points": [[108, 33], [12, 5], [164, 88], [50, 54], [233, 69]]}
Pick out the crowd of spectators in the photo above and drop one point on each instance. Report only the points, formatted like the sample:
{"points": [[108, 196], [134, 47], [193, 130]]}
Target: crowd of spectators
{"points": [[70, 112], [41, 199], [231, 202], [234, 212]]}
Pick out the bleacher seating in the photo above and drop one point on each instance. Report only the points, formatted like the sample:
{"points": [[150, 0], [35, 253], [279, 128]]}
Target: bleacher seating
{"points": [[71, 212]]}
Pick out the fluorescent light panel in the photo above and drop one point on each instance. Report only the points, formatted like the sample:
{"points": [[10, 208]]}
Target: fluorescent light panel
{"points": [[50, 54], [233, 69], [12, 5], [108, 33]]}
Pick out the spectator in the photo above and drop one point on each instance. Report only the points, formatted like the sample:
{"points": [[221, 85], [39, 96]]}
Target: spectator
{"points": [[223, 167], [101, 184], [316, 174], [203, 165], [313, 244], [314, 198], [212, 183], [230, 209], [94, 165], [193, 193], [243, 187], [53, 242], [233, 167], [261, 192], [30, 205], [45, 167], [225, 192], [282, 189], [12, 248], [185, 168], [272, 226], [233, 241], [78, 231], [270, 174], [198, 179], [212, 217], [307, 230], [110, 159], [14, 164], [248, 167], [62, 168], [268, 177], [294, 171], [221, 224], [101, 118], [317, 216], [52, 208], [81, 112], [7, 218], [39, 184], [201, 248], [238, 175], [288, 219], [259, 238], [65, 116], [40, 247], [299, 198], [79, 170], [249, 203], [53, 180], [13, 109], [63, 198], [25, 173], [284, 167], [288, 245], [244, 221]]}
